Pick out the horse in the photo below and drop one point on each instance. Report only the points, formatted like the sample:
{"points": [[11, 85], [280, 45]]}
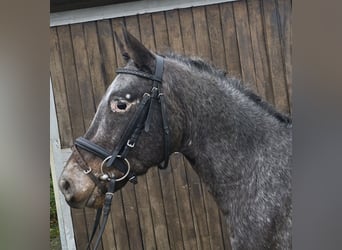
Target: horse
{"points": [[237, 143]]}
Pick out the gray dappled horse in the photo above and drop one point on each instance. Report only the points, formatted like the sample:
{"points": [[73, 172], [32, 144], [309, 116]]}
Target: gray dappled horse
{"points": [[238, 144]]}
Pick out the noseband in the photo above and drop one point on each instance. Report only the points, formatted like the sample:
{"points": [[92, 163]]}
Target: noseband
{"points": [[117, 158]]}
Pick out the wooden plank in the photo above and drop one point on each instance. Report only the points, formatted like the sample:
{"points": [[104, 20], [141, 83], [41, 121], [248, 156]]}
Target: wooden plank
{"points": [[119, 222], [275, 56], [225, 232], [188, 32], [106, 42], [59, 90], [153, 181], [80, 228], [83, 74], [197, 206], [174, 31], [71, 83], [117, 27], [263, 80], [215, 36], [244, 43], [145, 214], [285, 11], [201, 33], [95, 61], [183, 202], [131, 216], [160, 32], [141, 191], [230, 40], [168, 190]]}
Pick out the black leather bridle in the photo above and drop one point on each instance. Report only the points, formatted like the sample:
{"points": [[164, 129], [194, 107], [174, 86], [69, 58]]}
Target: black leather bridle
{"points": [[117, 158]]}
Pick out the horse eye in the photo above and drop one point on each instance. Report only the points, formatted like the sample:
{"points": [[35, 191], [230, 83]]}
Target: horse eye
{"points": [[121, 105]]}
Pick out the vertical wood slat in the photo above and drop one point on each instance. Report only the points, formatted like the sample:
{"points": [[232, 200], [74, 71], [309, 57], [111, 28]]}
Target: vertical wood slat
{"points": [[284, 7], [188, 32], [83, 74], [242, 37], [71, 83], [106, 45], [215, 36], [95, 61], [244, 43], [230, 40], [59, 90], [263, 80], [275, 56]]}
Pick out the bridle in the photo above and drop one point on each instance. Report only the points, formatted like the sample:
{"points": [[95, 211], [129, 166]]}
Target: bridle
{"points": [[118, 157]]}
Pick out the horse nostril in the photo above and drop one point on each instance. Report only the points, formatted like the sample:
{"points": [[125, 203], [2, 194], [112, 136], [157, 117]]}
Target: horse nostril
{"points": [[66, 185]]}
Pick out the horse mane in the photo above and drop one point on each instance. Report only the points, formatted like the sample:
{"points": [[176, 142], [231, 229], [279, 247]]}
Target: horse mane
{"points": [[203, 66]]}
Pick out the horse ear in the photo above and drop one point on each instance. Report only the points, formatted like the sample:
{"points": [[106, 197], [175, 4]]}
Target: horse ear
{"points": [[122, 49], [142, 57]]}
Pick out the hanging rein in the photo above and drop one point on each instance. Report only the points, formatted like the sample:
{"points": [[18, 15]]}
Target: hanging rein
{"points": [[117, 158]]}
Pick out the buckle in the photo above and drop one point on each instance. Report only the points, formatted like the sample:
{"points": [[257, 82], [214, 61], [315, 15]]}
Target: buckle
{"points": [[130, 144]]}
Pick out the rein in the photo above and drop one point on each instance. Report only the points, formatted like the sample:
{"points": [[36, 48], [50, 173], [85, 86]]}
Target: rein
{"points": [[117, 158]]}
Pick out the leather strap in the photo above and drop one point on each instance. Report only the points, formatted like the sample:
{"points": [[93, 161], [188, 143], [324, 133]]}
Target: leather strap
{"points": [[88, 171]]}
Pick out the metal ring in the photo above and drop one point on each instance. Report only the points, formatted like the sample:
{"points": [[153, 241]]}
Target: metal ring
{"points": [[127, 163]]}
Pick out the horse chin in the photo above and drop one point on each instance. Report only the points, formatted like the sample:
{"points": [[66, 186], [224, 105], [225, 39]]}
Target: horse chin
{"points": [[95, 202]]}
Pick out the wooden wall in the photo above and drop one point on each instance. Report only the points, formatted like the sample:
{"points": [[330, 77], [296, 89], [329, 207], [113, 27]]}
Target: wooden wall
{"points": [[168, 209]]}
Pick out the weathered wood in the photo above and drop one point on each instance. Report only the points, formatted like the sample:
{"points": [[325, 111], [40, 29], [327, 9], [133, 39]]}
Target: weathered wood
{"points": [[95, 61], [183, 202], [201, 33], [173, 29], [71, 83], [244, 43], [83, 74], [80, 228], [285, 10], [107, 49], [275, 55], [230, 40], [215, 36], [131, 216], [117, 27], [188, 32], [263, 80], [119, 222], [59, 90]]}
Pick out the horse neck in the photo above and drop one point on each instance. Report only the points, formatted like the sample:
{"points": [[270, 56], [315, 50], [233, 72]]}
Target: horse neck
{"points": [[222, 128], [233, 144]]}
